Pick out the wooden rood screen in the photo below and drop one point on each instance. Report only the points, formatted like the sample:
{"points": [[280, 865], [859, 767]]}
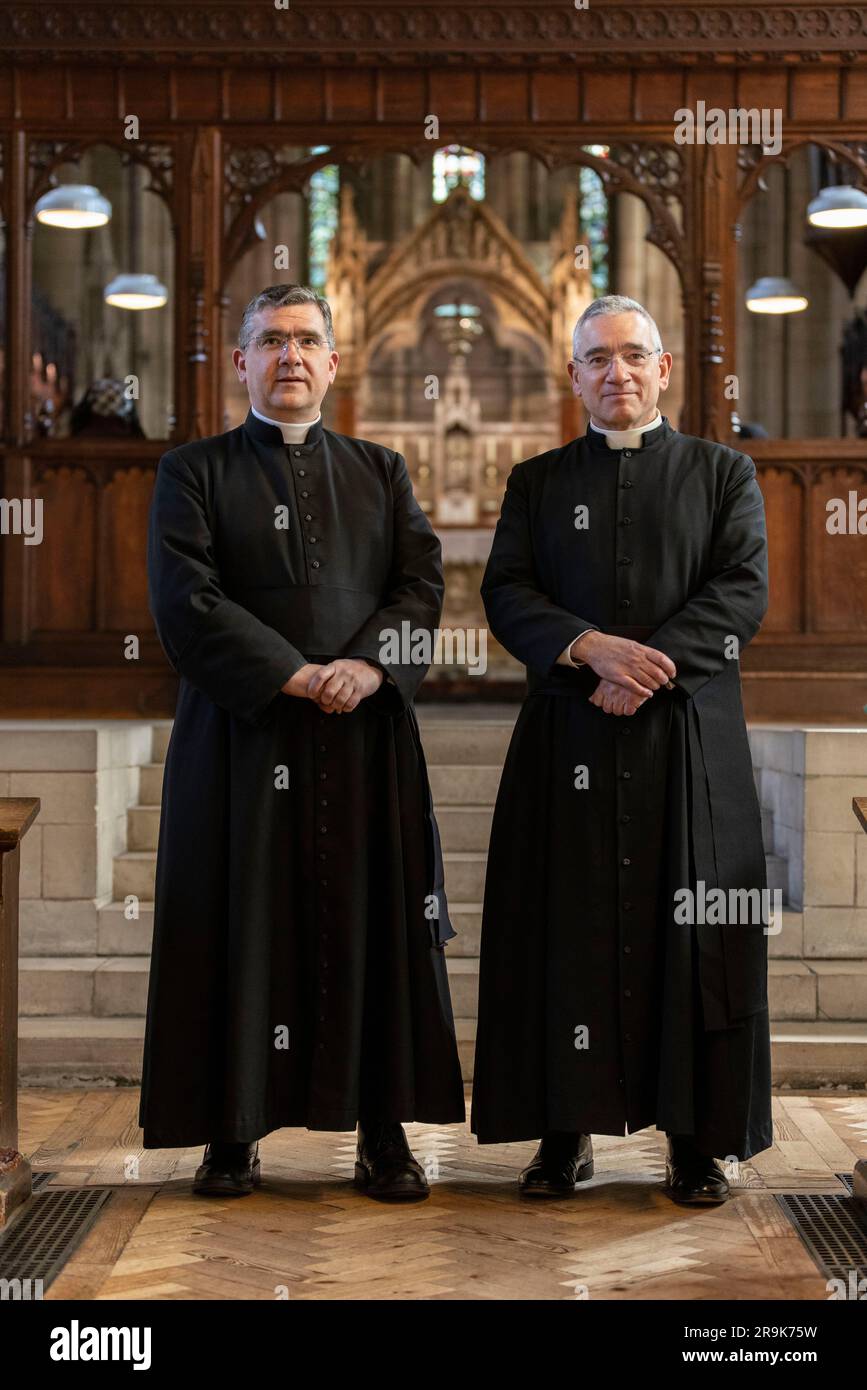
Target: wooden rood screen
{"points": [[233, 99]]}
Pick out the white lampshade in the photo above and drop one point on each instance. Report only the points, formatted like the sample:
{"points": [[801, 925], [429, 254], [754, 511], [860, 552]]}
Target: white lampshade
{"points": [[775, 294], [136, 292], [74, 206], [839, 206]]}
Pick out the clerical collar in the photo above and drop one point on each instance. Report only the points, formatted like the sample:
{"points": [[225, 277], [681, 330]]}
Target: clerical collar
{"points": [[641, 437], [305, 435]]}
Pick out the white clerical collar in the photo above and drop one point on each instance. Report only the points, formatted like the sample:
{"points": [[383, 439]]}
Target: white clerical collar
{"points": [[294, 433], [627, 439]]}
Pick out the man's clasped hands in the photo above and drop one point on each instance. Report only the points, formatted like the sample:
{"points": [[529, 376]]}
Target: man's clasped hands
{"points": [[336, 687], [629, 672]]}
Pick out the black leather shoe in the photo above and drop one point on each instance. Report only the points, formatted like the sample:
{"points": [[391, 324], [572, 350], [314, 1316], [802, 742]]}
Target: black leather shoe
{"points": [[692, 1178], [228, 1170], [384, 1165], [562, 1160]]}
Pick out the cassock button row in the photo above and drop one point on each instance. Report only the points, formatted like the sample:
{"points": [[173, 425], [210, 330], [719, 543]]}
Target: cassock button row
{"points": [[628, 993], [297, 453], [301, 473], [624, 560], [306, 494], [315, 564], [312, 539], [624, 820], [626, 729], [625, 603], [308, 517], [627, 907], [627, 950], [626, 863], [626, 484], [626, 776]]}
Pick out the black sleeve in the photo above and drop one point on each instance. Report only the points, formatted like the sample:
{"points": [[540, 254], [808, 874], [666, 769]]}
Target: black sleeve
{"points": [[414, 594], [733, 600], [214, 643], [520, 615]]}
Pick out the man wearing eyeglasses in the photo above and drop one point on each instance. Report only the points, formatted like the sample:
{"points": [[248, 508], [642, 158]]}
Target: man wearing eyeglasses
{"points": [[628, 570], [298, 975]]}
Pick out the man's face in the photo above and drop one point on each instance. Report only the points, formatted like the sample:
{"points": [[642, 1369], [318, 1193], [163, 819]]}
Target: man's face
{"points": [[622, 394], [288, 384]]}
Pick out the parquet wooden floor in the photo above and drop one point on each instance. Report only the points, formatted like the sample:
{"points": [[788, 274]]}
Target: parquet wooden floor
{"points": [[307, 1234]]}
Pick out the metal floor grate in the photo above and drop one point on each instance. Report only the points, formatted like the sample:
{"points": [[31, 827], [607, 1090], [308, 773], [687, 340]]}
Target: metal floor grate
{"points": [[832, 1228], [48, 1229]]}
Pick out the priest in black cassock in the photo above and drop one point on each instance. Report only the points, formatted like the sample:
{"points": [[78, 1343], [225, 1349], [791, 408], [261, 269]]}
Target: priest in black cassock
{"points": [[628, 570], [298, 973]]}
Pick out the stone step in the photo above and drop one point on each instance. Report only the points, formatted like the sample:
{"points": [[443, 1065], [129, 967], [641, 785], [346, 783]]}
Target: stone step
{"points": [[452, 783], [108, 1051], [456, 785], [463, 825], [101, 986], [778, 874], [476, 742], [150, 784], [160, 742], [134, 873], [767, 829], [105, 986]]}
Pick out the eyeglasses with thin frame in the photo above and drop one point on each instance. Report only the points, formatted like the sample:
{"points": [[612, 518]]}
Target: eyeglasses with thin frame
{"points": [[274, 344], [635, 359]]}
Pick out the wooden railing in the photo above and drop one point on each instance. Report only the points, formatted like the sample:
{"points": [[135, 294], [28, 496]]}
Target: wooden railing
{"points": [[16, 817]]}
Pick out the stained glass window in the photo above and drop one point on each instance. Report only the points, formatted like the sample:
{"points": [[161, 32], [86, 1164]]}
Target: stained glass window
{"points": [[323, 212], [455, 164], [594, 219]]}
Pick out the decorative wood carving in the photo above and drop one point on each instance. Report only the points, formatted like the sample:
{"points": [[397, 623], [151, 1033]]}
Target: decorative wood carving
{"points": [[413, 32]]}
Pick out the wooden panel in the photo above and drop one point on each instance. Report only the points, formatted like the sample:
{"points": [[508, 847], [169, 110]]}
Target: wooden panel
{"points": [[250, 95], [607, 96], [657, 101], [763, 89], [402, 96], [93, 93], [301, 95], [783, 492], [839, 567], [454, 95], [815, 95], [505, 96], [352, 96], [42, 94], [198, 95], [63, 570], [555, 96], [125, 518], [146, 93]]}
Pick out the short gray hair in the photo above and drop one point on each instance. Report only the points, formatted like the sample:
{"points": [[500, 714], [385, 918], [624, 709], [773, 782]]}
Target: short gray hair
{"points": [[615, 304], [276, 297]]}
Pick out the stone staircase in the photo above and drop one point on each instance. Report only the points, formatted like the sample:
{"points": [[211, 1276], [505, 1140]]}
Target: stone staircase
{"points": [[82, 1015]]}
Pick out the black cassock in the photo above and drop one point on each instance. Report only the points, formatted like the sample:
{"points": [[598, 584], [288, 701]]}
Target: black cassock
{"points": [[579, 927], [298, 973]]}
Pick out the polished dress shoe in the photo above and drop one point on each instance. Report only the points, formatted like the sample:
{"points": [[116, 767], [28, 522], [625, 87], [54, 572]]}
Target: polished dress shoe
{"points": [[562, 1160], [228, 1170], [692, 1178], [384, 1165]]}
